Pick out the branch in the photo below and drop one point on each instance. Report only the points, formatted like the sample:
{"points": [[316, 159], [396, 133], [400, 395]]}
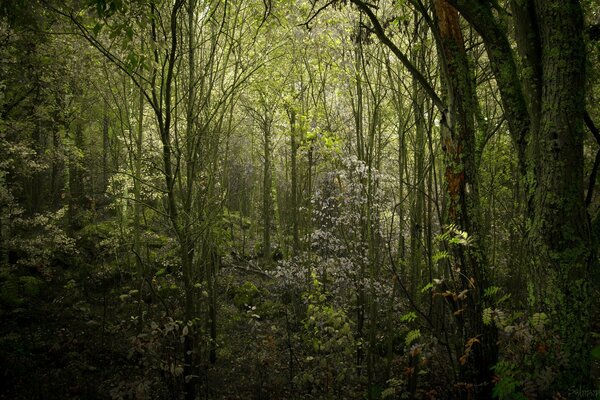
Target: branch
{"points": [[313, 16], [380, 32], [137, 78], [504, 67], [9, 107], [591, 126], [399, 278], [592, 183]]}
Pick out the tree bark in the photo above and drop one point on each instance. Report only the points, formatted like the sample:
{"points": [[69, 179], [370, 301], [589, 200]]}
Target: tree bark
{"points": [[545, 113], [294, 183], [267, 187], [458, 144], [560, 228]]}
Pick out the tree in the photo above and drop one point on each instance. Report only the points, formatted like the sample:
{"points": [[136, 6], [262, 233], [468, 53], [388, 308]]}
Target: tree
{"points": [[545, 110]]}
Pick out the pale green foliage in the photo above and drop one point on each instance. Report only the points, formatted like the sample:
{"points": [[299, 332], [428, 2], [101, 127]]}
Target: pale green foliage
{"points": [[330, 340], [440, 255], [411, 336], [454, 235], [494, 314], [487, 316], [395, 389], [427, 287], [491, 291], [409, 317], [246, 295]]}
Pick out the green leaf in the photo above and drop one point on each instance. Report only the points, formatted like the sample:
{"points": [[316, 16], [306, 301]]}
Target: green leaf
{"points": [[129, 33], [408, 317], [487, 316], [503, 298], [539, 320], [389, 392], [427, 287], [491, 291], [412, 336], [440, 255]]}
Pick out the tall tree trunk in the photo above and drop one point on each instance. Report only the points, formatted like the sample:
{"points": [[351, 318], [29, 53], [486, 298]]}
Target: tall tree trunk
{"points": [[294, 182], [75, 176], [267, 200], [360, 152], [416, 215], [137, 203], [458, 136], [188, 193], [162, 105], [105, 146], [560, 223]]}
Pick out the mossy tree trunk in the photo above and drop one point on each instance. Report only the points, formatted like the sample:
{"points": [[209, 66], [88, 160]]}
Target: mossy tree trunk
{"points": [[560, 229], [544, 110], [458, 143]]}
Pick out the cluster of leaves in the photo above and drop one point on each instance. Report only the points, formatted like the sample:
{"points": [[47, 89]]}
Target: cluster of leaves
{"points": [[532, 358], [329, 335]]}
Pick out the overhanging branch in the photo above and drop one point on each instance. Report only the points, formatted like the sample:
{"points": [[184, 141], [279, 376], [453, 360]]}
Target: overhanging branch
{"points": [[420, 78]]}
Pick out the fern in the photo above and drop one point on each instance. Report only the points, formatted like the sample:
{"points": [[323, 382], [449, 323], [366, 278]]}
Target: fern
{"points": [[539, 320], [440, 255], [408, 317], [412, 336], [487, 316], [491, 291], [503, 298], [507, 388]]}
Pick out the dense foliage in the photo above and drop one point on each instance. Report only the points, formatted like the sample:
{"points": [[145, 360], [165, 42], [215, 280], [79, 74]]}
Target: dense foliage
{"points": [[268, 199]]}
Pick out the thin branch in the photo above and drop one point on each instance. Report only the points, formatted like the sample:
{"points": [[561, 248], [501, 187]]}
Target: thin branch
{"points": [[592, 183], [9, 107], [380, 32], [399, 278], [316, 13], [137, 78], [591, 126]]}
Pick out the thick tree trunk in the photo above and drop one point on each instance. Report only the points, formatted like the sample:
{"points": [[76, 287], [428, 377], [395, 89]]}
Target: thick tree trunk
{"points": [[560, 228], [545, 114]]}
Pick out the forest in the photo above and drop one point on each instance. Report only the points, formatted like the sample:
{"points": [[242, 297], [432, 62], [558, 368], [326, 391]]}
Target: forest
{"points": [[299, 199]]}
